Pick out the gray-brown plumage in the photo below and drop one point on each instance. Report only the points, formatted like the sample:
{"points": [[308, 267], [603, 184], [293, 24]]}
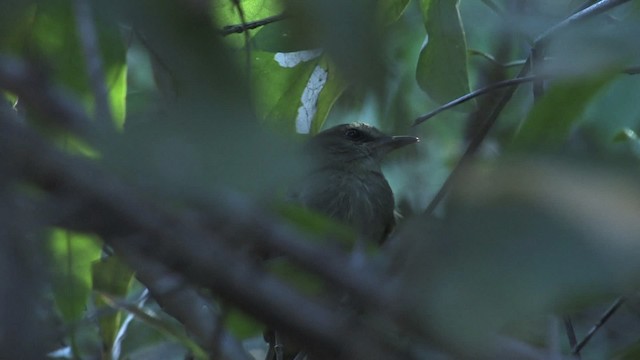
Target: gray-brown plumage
{"points": [[347, 183]]}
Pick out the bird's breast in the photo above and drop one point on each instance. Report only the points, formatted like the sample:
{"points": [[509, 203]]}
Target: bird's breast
{"points": [[362, 199]]}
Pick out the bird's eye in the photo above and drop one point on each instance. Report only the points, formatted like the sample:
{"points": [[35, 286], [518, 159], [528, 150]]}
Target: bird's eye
{"points": [[353, 134]]}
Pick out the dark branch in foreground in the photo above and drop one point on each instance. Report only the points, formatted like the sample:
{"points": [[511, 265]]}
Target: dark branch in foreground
{"points": [[171, 239]]}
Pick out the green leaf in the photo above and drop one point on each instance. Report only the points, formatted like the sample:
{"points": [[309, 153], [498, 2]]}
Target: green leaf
{"points": [[284, 36], [72, 255], [110, 276], [288, 87], [226, 13], [241, 325], [16, 18], [554, 116], [391, 10], [522, 239], [332, 90], [278, 88], [442, 64], [54, 36]]}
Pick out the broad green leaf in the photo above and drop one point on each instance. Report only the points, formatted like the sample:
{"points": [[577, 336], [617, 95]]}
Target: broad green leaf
{"points": [[554, 116], [225, 12], [284, 36], [332, 90], [72, 255], [295, 91], [442, 64], [110, 276], [279, 88]]}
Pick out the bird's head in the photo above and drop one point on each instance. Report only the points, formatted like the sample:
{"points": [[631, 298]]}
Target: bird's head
{"points": [[352, 142]]}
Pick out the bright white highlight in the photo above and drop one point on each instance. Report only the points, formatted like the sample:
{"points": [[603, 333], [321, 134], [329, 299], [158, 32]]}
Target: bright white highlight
{"points": [[309, 100]]}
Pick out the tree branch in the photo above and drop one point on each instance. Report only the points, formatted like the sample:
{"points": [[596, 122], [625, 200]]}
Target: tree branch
{"points": [[239, 28], [185, 247]]}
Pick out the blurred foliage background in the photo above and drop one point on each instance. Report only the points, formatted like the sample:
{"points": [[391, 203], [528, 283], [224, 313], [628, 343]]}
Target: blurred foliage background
{"points": [[128, 123]]}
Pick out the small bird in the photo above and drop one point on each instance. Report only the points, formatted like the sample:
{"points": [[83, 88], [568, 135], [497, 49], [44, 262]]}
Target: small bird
{"points": [[347, 183]]}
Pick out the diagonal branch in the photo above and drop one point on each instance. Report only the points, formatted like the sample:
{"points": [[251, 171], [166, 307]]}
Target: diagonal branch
{"points": [[187, 248], [239, 28]]}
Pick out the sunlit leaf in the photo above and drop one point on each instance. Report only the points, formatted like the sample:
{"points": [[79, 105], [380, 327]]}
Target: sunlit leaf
{"points": [[54, 35], [113, 277], [72, 255], [302, 86]]}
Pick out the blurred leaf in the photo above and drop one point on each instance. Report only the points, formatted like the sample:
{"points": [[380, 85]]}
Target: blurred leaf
{"points": [[631, 352], [391, 10], [554, 116], [521, 240], [318, 225], [349, 33], [112, 277], [242, 326], [54, 36], [625, 135], [72, 255], [303, 281], [16, 18], [169, 328], [442, 65]]}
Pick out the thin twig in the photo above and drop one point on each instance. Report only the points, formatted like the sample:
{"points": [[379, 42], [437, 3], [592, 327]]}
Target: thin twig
{"points": [[89, 44], [239, 28], [537, 57], [493, 6], [476, 141], [494, 61], [603, 319], [474, 94], [247, 39], [571, 334], [595, 9], [479, 137]]}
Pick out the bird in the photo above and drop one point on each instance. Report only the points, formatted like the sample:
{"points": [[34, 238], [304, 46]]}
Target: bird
{"points": [[346, 182]]}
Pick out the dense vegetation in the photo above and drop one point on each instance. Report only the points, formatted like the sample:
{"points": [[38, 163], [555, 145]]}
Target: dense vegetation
{"points": [[146, 148]]}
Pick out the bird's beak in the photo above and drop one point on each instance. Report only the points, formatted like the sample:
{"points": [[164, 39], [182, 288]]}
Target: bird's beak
{"points": [[389, 143]]}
